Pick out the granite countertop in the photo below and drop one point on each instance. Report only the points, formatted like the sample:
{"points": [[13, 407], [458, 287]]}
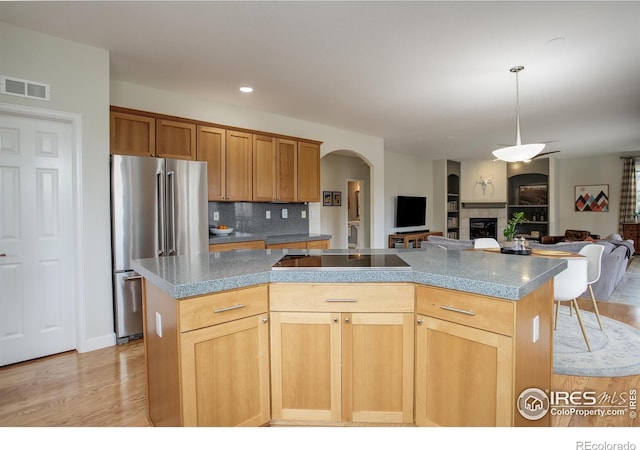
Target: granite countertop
{"points": [[493, 274], [268, 238]]}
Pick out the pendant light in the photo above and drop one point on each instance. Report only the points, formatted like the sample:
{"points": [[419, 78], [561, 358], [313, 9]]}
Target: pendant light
{"points": [[518, 152]]}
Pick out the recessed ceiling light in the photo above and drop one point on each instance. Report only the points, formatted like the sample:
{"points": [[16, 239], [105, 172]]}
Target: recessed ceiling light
{"points": [[246, 89]]}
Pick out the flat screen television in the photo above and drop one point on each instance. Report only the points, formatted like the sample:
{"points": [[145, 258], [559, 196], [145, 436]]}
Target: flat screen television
{"points": [[411, 211]]}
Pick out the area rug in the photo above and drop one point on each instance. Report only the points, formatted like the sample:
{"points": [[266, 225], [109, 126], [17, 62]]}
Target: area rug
{"points": [[615, 352]]}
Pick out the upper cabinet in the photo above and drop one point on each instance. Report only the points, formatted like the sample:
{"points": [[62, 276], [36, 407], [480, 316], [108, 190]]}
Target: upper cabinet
{"points": [[308, 172], [211, 145], [238, 166], [132, 134], [175, 139], [243, 165], [142, 134]]}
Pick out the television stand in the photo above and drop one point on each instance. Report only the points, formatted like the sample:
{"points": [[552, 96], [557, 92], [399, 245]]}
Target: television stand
{"points": [[410, 239]]}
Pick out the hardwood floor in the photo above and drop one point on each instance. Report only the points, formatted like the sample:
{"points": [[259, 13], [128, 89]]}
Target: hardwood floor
{"points": [[106, 388]]}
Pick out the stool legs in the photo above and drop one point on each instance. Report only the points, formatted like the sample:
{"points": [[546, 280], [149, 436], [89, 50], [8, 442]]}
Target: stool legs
{"points": [[595, 307], [584, 332], [573, 302]]}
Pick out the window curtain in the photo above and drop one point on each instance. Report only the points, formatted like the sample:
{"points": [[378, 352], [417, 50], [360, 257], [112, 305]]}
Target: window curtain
{"points": [[628, 193]]}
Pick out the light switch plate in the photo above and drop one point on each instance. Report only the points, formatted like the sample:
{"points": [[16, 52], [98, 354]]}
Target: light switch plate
{"points": [[216, 215], [268, 214], [285, 213]]}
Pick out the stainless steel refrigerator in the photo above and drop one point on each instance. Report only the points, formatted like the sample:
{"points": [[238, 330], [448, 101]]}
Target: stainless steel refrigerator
{"points": [[158, 208]]}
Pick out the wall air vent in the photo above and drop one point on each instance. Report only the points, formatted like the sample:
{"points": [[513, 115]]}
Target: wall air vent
{"points": [[24, 88]]}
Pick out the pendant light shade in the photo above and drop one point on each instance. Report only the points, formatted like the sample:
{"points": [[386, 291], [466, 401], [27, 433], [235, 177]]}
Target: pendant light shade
{"points": [[518, 152]]}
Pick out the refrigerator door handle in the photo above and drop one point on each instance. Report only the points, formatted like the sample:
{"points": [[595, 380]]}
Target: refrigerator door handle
{"points": [[160, 199], [171, 234]]}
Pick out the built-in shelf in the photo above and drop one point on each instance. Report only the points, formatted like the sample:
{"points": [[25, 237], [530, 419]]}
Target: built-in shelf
{"points": [[535, 174]]}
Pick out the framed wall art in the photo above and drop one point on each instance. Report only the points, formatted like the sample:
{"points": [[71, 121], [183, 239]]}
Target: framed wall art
{"points": [[535, 194], [337, 198], [593, 197], [327, 198]]}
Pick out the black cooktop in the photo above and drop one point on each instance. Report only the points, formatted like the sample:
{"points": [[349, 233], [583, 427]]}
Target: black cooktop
{"points": [[379, 261]]}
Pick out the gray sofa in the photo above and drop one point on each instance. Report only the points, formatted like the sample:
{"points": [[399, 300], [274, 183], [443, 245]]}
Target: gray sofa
{"points": [[615, 258]]}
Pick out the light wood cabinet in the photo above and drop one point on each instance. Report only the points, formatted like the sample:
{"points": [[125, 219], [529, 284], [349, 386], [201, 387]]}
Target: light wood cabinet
{"points": [[228, 156], [632, 231], [132, 134], [275, 169], [242, 165], [207, 358], [264, 168], [318, 244], [308, 172], [175, 139], [238, 166], [140, 134], [342, 352], [211, 145], [475, 355], [228, 246]]}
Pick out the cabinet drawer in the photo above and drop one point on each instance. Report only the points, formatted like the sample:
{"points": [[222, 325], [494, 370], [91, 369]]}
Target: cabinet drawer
{"points": [[352, 297], [484, 313], [206, 310]]}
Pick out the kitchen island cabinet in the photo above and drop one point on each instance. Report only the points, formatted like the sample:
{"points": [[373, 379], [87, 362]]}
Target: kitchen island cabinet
{"points": [[342, 352], [207, 358], [342, 340], [475, 355]]}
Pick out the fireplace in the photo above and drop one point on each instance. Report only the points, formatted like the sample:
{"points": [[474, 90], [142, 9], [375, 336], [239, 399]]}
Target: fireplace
{"points": [[483, 227]]}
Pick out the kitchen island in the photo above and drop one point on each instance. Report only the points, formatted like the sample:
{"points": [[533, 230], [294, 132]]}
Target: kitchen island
{"points": [[451, 341]]}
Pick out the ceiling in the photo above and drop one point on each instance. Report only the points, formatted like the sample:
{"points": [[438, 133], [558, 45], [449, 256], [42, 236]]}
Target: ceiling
{"points": [[431, 78]]}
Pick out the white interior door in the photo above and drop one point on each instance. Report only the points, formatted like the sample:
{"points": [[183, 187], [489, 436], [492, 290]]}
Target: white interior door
{"points": [[37, 312]]}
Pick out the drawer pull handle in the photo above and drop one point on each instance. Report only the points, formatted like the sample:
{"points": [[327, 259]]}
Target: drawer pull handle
{"points": [[228, 308], [341, 300], [461, 311]]}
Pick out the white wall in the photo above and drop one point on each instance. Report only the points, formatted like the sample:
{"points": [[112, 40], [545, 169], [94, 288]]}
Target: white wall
{"points": [[79, 80], [335, 171], [470, 187], [587, 171], [371, 148], [407, 175]]}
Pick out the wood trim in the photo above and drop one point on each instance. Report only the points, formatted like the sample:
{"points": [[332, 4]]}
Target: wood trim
{"points": [[229, 246]]}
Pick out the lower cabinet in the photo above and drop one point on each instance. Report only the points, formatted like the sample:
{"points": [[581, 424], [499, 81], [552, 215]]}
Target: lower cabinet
{"points": [[318, 244], [208, 358], [342, 353], [475, 355]]}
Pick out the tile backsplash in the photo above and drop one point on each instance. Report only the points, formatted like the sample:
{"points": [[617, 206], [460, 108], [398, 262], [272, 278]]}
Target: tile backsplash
{"points": [[250, 217]]}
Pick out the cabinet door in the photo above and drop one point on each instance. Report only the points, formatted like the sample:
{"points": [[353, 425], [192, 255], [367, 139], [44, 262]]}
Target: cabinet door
{"points": [[308, 172], [132, 134], [239, 167], [225, 374], [305, 366], [264, 168], [377, 361], [175, 139], [286, 173], [464, 376], [211, 148]]}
